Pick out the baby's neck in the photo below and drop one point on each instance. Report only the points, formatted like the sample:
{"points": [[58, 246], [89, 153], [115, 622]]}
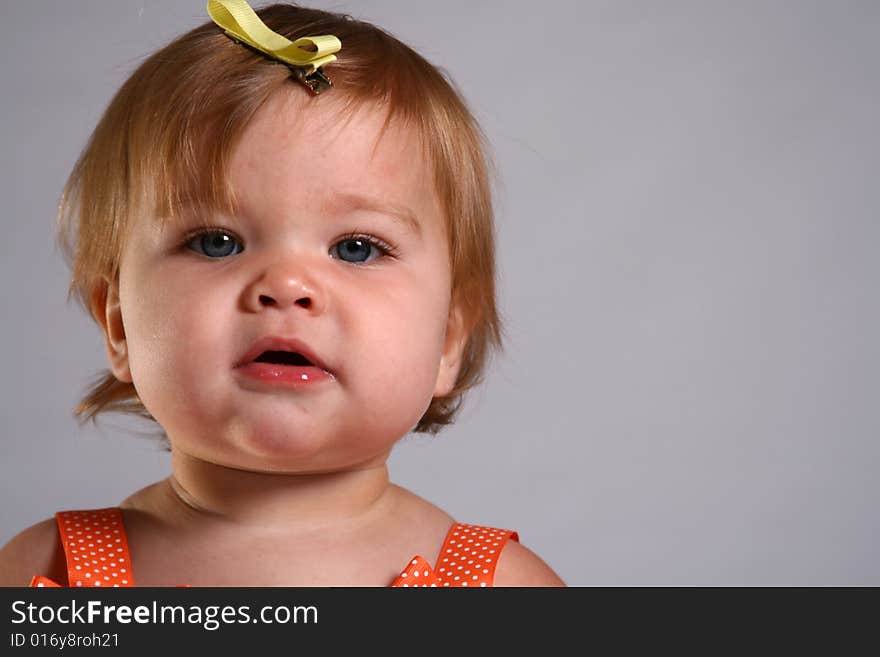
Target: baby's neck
{"points": [[214, 495]]}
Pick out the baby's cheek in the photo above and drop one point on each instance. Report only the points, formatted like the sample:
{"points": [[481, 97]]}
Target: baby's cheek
{"points": [[164, 354], [400, 380]]}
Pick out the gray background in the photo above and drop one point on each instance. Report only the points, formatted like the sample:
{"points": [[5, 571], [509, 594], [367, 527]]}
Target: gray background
{"points": [[688, 251]]}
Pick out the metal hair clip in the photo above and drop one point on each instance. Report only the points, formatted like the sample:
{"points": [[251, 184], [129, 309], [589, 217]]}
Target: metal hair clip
{"points": [[316, 81], [304, 57]]}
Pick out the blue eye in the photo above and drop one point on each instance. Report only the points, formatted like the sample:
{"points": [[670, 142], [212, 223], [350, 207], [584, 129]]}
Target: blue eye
{"points": [[214, 243], [358, 248]]}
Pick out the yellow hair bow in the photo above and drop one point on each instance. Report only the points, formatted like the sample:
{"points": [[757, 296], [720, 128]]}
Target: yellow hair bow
{"points": [[242, 24]]}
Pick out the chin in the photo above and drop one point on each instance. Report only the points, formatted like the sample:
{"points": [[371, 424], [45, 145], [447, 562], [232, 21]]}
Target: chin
{"points": [[268, 443]]}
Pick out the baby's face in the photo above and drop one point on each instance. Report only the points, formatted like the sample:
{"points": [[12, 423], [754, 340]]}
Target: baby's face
{"points": [[377, 321]]}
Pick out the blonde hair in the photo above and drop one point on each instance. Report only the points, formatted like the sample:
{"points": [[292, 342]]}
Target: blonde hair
{"points": [[167, 135]]}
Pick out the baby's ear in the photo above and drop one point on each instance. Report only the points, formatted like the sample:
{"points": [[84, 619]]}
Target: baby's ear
{"points": [[108, 313], [453, 350]]}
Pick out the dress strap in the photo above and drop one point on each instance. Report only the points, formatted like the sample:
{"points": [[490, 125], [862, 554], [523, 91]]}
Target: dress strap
{"points": [[470, 554], [96, 547]]}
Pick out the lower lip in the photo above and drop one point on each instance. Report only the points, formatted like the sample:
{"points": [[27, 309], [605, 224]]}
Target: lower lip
{"points": [[285, 375]]}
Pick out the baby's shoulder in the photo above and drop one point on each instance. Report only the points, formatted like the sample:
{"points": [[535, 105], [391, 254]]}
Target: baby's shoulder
{"points": [[34, 551], [519, 566]]}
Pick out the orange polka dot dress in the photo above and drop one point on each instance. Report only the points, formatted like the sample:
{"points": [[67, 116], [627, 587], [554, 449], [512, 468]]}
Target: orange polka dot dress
{"points": [[97, 554]]}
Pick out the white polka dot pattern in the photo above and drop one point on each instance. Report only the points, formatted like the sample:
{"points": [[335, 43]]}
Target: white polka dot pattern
{"points": [[96, 548], [467, 559]]}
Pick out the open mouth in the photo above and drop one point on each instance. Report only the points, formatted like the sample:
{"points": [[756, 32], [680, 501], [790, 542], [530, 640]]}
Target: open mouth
{"points": [[284, 362], [283, 358]]}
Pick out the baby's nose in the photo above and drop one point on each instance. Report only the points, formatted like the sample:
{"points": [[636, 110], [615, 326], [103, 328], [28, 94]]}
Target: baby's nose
{"points": [[286, 287]]}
